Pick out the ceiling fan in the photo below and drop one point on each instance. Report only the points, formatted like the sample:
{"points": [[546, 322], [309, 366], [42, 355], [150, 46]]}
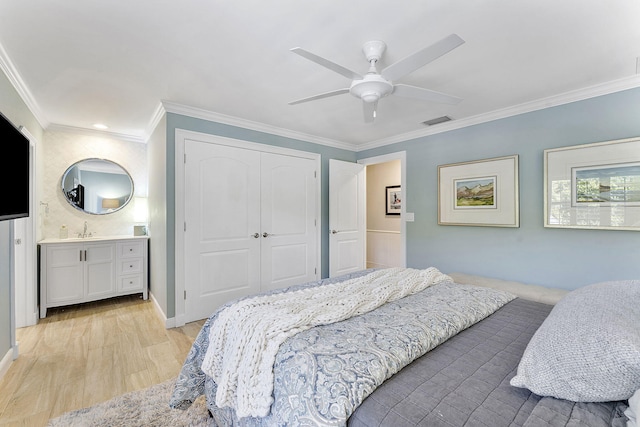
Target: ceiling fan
{"points": [[373, 85]]}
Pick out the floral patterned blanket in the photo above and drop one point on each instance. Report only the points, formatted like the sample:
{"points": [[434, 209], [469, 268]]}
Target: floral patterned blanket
{"points": [[322, 374]]}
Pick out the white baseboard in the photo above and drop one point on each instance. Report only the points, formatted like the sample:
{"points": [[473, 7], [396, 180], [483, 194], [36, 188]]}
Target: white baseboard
{"points": [[168, 322], [5, 363], [33, 318], [179, 321]]}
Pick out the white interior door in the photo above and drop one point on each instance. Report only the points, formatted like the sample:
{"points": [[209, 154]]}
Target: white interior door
{"points": [[288, 221], [346, 217], [222, 217]]}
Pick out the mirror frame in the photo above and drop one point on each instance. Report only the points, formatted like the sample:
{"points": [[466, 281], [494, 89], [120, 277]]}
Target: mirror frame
{"points": [[71, 202]]}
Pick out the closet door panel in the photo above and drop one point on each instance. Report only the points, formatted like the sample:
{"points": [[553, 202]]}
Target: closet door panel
{"points": [[288, 218], [222, 237]]}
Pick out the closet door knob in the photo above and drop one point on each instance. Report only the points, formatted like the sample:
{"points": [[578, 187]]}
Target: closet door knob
{"points": [[265, 234], [256, 235]]}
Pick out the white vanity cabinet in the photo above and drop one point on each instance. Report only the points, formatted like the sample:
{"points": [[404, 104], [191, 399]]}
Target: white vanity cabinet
{"points": [[74, 271]]}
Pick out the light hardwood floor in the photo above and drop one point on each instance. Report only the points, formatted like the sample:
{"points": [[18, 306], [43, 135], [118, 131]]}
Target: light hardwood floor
{"points": [[82, 355]]}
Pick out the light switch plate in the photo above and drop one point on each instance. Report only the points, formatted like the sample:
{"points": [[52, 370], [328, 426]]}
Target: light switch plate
{"points": [[409, 217]]}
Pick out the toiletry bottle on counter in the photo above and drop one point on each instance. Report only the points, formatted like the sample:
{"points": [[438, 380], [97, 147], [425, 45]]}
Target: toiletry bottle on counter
{"points": [[64, 232]]}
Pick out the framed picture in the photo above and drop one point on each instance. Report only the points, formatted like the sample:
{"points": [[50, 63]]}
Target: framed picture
{"points": [[479, 193], [593, 186], [393, 200]]}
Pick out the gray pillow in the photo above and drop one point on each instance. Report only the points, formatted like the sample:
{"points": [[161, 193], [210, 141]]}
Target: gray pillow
{"points": [[588, 348]]}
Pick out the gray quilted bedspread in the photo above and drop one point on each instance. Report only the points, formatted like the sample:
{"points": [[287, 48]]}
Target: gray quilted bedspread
{"points": [[462, 380], [465, 382]]}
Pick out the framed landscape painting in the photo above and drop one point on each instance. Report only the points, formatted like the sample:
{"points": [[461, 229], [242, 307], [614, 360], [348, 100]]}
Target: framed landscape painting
{"points": [[479, 193], [593, 186]]}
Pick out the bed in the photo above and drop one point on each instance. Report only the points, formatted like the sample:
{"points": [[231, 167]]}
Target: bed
{"points": [[431, 351]]}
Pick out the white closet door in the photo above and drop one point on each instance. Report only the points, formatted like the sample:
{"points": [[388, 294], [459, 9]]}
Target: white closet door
{"points": [[222, 215], [288, 221], [347, 239]]}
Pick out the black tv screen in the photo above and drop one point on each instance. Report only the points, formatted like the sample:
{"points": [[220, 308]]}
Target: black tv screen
{"points": [[14, 171]]}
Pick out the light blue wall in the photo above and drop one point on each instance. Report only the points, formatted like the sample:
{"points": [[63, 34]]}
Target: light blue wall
{"points": [[176, 121], [565, 258]]}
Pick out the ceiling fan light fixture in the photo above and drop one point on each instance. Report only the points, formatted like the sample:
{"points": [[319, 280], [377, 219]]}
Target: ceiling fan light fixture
{"points": [[371, 88], [370, 96]]}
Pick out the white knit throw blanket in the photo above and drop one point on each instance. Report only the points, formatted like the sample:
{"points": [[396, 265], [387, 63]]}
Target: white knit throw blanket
{"points": [[246, 336]]}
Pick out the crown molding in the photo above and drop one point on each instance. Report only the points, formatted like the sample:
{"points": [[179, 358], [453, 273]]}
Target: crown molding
{"points": [[23, 91], [198, 113], [6, 65], [540, 104], [157, 116], [54, 127]]}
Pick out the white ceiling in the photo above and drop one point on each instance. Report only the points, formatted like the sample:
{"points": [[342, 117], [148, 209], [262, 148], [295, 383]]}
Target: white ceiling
{"points": [[78, 62]]}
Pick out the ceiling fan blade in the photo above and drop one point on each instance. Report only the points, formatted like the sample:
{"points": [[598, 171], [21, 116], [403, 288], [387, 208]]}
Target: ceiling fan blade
{"points": [[421, 58], [320, 96], [369, 109], [328, 64], [407, 91]]}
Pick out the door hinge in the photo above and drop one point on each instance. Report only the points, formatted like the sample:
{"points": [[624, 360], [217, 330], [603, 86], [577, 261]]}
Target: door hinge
{"points": [[185, 294], [315, 174], [185, 158], [185, 226]]}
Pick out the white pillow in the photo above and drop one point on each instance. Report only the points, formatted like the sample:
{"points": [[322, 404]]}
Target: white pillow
{"points": [[588, 348]]}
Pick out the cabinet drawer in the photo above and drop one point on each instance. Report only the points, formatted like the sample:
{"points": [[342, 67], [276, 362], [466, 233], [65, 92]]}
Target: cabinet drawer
{"points": [[130, 266], [130, 249], [131, 283]]}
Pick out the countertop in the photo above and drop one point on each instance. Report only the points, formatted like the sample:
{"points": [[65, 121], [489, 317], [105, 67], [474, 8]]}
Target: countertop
{"points": [[90, 239]]}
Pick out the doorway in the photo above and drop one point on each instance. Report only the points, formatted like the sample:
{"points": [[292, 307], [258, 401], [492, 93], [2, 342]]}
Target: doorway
{"points": [[385, 210]]}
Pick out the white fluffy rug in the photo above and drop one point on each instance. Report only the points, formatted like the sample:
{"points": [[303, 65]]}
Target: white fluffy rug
{"points": [[148, 407]]}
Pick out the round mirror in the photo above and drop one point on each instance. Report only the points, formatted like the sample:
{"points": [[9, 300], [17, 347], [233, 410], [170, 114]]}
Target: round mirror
{"points": [[97, 186]]}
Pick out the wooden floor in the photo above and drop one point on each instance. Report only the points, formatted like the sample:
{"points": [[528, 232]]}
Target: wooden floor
{"points": [[82, 355]]}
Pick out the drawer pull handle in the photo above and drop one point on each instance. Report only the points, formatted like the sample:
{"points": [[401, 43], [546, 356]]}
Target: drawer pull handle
{"points": [[131, 266]]}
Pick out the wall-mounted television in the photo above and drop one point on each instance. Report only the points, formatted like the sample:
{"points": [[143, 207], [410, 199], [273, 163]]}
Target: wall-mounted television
{"points": [[14, 171]]}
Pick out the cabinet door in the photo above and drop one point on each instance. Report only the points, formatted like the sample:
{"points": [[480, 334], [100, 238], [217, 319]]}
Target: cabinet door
{"points": [[100, 270], [64, 269]]}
